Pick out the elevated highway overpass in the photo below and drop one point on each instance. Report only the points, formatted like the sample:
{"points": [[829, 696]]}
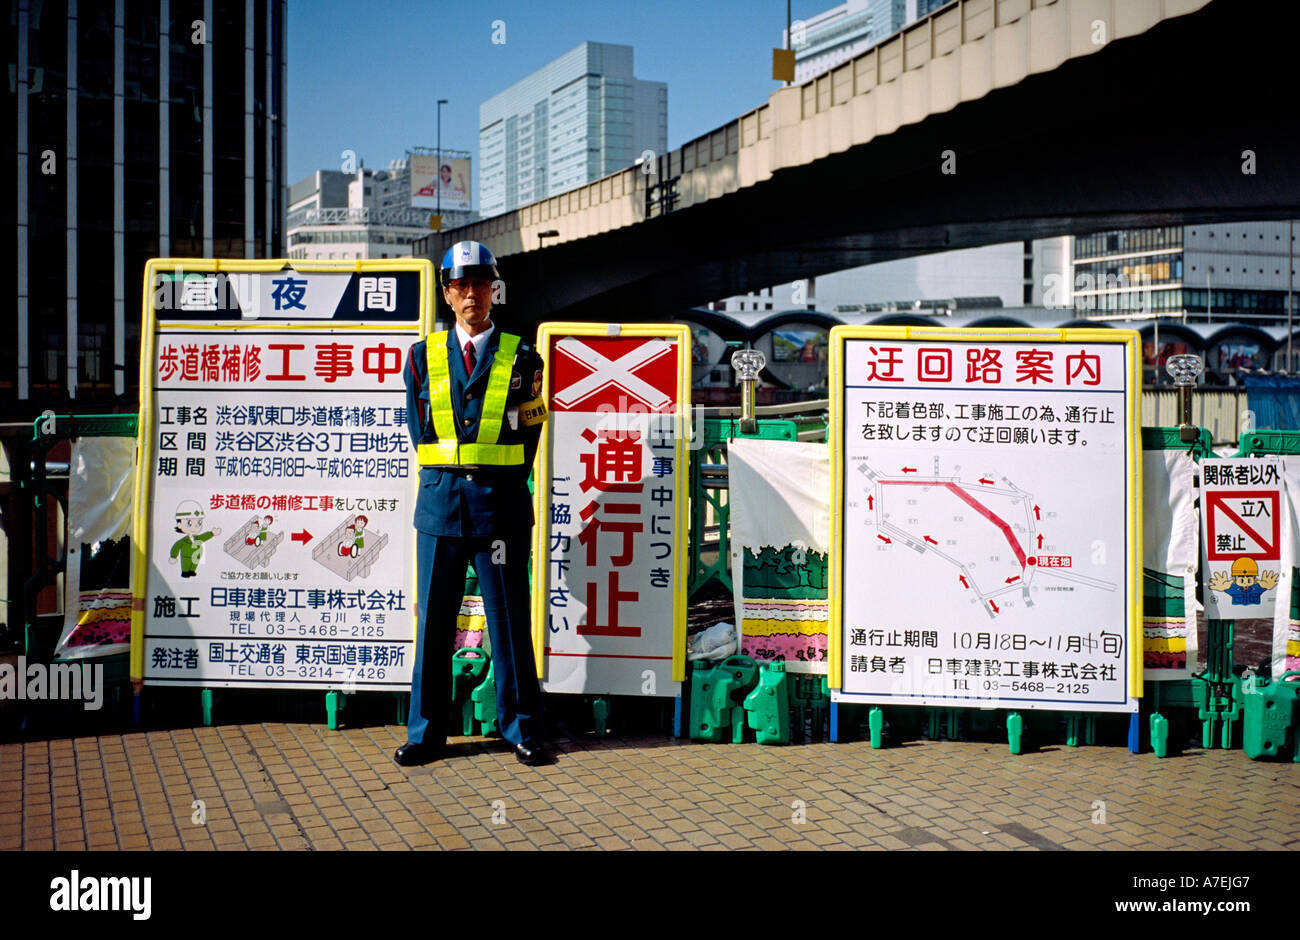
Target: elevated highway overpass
{"points": [[988, 121]]}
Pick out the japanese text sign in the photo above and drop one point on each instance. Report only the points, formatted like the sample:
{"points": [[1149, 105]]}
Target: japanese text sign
{"points": [[609, 564], [268, 393], [1241, 501], [985, 518]]}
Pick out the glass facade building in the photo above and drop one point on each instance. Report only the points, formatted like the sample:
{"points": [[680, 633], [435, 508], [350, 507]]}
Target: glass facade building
{"points": [[574, 120], [1238, 270], [144, 128]]}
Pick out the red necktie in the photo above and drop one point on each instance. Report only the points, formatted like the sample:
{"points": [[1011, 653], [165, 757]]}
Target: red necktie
{"points": [[470, 358]]}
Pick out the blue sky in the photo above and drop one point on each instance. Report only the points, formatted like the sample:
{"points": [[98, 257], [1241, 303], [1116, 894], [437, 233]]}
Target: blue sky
{"points": [[365, 76]]}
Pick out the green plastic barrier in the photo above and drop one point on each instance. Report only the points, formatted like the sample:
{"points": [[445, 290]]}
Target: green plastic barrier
{"points": [[767, 707], [484, 702], [1268, 443], [1270, 713], [1162, 596], [717, 697], [810, 697], [469, 667], [1220, 696]]}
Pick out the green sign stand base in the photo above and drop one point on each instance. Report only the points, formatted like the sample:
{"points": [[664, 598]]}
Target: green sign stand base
{"points": [[1015, 729], [334, 702], [600, 715], [876, 725], [1080, 726]]}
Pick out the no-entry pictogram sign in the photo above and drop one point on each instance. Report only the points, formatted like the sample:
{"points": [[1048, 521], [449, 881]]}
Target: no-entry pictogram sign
{"points": [[1241, 503], [615, 374], [1243, 524]]}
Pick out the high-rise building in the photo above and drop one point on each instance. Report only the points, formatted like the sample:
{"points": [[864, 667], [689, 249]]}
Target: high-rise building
{"points": [[574, 120], [836, 35], [144, 128]]}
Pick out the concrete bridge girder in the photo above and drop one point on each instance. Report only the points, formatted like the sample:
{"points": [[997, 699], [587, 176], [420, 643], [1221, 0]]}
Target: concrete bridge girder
{"points": [[1049, 132]]}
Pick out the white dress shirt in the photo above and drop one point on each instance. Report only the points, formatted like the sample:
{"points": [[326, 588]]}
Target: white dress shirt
{"points": [[480, 342]]}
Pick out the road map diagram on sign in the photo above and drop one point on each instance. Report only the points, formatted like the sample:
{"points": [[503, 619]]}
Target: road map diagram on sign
{"points": [[992, 532]]}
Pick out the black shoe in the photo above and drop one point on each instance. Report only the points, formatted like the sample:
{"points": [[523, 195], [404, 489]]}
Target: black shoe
{"points": [[531, 755], [413, 755]]}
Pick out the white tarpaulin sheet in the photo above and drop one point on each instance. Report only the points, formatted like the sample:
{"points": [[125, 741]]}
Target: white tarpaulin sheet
{"points": [[97, 604], [1286, 628], [779, 495], [1171, 552]]}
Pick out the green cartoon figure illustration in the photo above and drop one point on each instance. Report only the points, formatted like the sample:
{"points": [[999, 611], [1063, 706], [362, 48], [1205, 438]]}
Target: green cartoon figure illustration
{"points": [[1246, 584], [189, 547]]}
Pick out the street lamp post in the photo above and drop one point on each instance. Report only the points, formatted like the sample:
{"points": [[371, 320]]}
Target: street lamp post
{"points": [[1290, 288], [789, 40], [437, 180], [748, 363], [1185, 368]]}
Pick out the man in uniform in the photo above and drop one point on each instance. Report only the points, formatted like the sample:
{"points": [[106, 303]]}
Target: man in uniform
{"points": [[474, 417]]}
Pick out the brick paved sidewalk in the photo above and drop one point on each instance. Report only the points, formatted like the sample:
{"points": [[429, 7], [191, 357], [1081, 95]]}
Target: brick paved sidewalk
{"points": [[301, 786]]}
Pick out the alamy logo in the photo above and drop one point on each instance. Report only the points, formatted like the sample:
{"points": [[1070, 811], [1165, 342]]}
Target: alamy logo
{"points": [[103, 893], [53, 682]]}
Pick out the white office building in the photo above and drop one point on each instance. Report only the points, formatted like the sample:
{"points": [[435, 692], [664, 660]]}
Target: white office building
{"points": [[367, 214], [574, 120], [836, 35]]}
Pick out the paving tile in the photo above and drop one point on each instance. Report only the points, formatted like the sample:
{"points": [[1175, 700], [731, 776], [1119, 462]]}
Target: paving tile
{"points": [[298, 786]]}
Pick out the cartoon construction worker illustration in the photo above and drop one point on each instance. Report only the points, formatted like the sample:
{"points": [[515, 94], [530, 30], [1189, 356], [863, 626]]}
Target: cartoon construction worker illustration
{"points": [[189, 547], [259, 538], [1246, 584], [357, 533]]}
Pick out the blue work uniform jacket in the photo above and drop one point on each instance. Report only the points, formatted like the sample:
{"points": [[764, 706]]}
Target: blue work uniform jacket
{"points": [[473, 502]]}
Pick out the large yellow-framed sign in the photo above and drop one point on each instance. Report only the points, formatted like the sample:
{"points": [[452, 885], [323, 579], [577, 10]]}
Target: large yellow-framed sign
{"points": [[276, 479], [611, 490], [985, 517]]}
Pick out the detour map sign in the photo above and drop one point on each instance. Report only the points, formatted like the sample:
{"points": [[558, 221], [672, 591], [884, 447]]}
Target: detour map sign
{"points": [[985, 518]]}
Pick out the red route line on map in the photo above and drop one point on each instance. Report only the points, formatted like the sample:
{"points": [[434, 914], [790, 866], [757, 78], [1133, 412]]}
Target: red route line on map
{"points": [[974, 504]]}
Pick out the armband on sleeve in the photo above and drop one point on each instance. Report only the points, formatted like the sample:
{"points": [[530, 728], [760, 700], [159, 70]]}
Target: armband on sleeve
{"points": [[532, 412]]}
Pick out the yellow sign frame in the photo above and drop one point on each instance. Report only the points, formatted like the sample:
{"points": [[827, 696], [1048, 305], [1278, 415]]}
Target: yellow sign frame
{"points": [[1131, 339], [145, 455], [542, 477]]}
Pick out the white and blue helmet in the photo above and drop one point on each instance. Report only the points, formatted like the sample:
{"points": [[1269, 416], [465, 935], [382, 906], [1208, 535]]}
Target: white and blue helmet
{"points": [[468, 259]]}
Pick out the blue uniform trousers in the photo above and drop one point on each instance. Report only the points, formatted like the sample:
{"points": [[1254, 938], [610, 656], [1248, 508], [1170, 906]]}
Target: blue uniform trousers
{"points": [[441, 564]]}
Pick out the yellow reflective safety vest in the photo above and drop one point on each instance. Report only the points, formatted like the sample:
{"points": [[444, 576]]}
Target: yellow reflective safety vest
{"points": [[449, 450]]}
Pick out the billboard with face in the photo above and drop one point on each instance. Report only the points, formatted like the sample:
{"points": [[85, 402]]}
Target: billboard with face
{"points": [[450, 175]]}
